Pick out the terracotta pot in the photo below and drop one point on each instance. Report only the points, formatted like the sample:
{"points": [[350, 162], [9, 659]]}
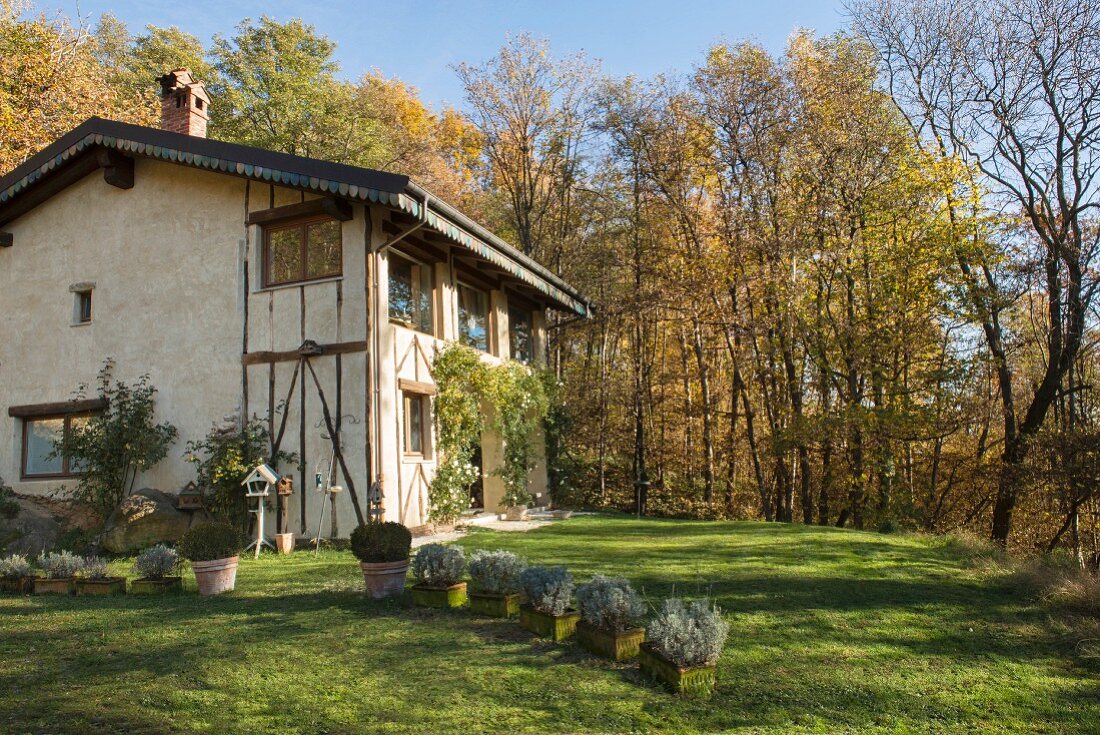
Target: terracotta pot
{"points": [[516, 513], [217, 576], [17, 585], [160, 586], [687, 681], [108, 586], [284, 542], [494, 606], [386, 578], [441, 597], [608, 643], [43, 586], [544, 625]]}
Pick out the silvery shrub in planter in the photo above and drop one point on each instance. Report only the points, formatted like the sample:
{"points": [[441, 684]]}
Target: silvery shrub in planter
{"points": [[158, 571], [60, 568], [16, 574], [495, 584], [438, 571], [684, 641], [611, 617], [549, 591], [94, 578]]}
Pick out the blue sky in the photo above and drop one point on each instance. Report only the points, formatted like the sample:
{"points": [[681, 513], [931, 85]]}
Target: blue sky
{"points": [[418, 41]]}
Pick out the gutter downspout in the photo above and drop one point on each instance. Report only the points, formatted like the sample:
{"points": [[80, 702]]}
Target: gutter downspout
{"points": [[376, 347]]}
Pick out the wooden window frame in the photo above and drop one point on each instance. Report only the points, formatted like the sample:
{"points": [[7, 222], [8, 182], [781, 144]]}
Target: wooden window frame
{"points": [[425, 401], [530, 333], [83, 298], [490, 342], [302, 225], [416, 263], [66, 470]]}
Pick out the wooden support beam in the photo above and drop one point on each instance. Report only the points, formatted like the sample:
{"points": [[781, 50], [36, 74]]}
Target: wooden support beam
{"points": [[118, 168], [338, 209], [58, 408], [6, 239], [310, 347], [416, 386]]}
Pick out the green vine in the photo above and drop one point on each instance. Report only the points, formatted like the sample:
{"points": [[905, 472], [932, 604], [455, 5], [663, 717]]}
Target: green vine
{"points": [[517, 406]]}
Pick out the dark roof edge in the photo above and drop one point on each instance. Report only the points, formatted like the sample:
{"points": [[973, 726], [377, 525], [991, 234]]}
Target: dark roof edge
{"points": [[209, 148], [461, 220]]}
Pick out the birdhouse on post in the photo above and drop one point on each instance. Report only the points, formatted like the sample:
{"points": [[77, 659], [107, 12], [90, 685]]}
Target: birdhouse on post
{"points": [[258, 486]]}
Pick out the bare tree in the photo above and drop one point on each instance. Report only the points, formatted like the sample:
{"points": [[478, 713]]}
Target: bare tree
{"points": [[1012, 88]]}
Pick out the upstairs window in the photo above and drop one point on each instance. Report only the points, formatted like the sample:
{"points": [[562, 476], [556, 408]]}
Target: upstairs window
{"points": [[473, 317], [302, 251], [519, 334], [411, 289]]}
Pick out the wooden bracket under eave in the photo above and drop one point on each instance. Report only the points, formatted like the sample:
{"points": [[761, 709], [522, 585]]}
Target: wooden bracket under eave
{"points": [[118, 169], [7, 239]]}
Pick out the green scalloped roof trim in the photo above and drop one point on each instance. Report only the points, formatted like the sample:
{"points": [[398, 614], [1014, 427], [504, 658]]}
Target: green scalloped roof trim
{"points": [[289, 178], [239, 168]]}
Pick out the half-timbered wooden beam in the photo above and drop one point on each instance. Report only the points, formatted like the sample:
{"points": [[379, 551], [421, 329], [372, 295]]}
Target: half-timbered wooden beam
{"points": [[308, 349], [58, 408], [338, 209]]}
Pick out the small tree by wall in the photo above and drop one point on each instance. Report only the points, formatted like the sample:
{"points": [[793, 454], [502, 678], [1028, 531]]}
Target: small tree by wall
{"points": [[113, 447]]}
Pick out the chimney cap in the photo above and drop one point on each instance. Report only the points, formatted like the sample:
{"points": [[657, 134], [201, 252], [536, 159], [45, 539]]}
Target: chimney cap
{"points": [[179, 79]]}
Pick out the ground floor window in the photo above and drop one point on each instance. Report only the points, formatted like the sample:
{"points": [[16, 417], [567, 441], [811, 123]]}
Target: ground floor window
{"points": [[418, 424], [39, 436]]}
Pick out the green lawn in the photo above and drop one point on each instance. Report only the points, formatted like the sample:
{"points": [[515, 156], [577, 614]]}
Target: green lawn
{"points": [[832, 631]]}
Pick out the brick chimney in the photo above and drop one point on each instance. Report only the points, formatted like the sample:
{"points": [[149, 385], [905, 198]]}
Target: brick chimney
{"points": [[184, 105]]}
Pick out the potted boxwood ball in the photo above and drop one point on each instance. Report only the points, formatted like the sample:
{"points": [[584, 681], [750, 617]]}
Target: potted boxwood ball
{"points": [[438, 570], [683, 644], [494, 588], [16, 574], [158, 570], [94, 578], [213, 548], [60, 568], [611, 618], [383, 553], [547, 613]]}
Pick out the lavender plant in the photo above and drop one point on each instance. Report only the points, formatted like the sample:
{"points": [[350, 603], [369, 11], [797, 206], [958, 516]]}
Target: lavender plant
{"points": [[157, 562], [496, 572], [549, 589], [688, 634], [60, 564], [15, 566], [436, 565], [610, 603]]}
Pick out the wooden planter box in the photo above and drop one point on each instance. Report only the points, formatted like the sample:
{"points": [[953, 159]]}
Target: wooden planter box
{"points": [[43, 586], [609, 644], [441, 597], [163, 586], [18, 585], [555, 627], [494, 606], [108, 586], [692, 681]]}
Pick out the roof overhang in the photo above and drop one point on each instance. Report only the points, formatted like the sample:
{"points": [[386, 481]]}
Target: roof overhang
{"points": [[83, 149]]}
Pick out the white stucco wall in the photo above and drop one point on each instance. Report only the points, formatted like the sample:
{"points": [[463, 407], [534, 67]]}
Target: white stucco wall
{"points": [[169, 259]]}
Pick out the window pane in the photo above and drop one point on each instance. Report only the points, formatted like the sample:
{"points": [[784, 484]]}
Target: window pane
{"points": [[401, 290], [76, 423], [424, 294], [414, 417], [284, 255], [41, 434], [473, 321], [519, 328], [324, 250]]}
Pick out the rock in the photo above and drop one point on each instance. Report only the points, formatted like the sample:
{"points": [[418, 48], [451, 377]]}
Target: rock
{"points": [[31, 531], [146, 518]]}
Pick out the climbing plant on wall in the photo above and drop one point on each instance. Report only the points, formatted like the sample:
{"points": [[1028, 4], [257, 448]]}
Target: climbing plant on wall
{"points": [[459, 377], [509, 399]]}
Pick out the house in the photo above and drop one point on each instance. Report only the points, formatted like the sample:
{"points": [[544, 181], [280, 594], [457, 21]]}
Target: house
{"points": [[248, 282]]}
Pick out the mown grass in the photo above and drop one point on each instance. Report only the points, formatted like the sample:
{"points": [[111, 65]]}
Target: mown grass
{"points": [[832, 631]]}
